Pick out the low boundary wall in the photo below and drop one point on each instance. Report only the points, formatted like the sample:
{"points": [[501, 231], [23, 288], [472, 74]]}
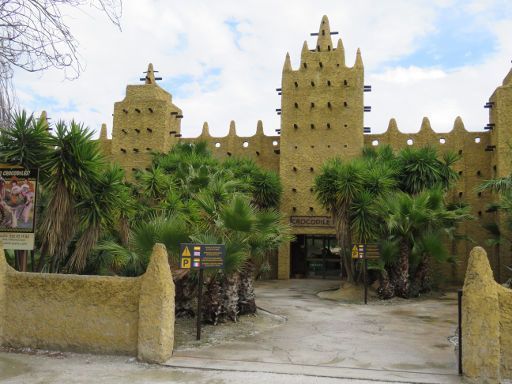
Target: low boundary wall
{"points": [[486, 323], [99, 314]]}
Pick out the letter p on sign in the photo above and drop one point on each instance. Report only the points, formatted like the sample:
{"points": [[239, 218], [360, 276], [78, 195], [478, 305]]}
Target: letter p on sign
{"points": [[185, 262]]}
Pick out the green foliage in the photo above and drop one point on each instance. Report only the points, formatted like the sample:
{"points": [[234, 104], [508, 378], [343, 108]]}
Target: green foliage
{"points": [[503, 187], [189, 196], [421, 168], [26, 142], [396, 200]]}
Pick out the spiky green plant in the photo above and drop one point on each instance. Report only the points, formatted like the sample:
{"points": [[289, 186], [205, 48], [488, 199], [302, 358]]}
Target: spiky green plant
{"points": [[73, 168], [25, 142]]}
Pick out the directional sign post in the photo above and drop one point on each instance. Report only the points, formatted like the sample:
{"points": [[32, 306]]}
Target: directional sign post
{"points": [[201, 257], [365, 252]]}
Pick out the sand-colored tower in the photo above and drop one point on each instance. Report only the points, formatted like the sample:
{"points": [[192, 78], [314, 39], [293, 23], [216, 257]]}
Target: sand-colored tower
{"points": [[500, 125], [145, 121], [321, 117]]}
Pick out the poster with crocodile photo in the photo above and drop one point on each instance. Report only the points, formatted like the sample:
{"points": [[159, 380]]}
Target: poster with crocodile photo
{"points": [[18, 192]]}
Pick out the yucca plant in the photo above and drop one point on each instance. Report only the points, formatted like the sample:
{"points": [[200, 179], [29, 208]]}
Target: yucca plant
{"points": [[98, 211], [73, 167], [421, 168], [25, 142]]}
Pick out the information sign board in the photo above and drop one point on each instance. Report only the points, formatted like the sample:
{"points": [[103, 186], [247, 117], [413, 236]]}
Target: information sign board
{"points": [[365, 252], [18, 193], [202, 256]]}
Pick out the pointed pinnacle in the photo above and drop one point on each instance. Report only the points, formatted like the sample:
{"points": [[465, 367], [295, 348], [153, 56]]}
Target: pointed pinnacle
{"points": [[340, 51], [232, 128], [206, 129], [359, 60], [103, 131], [324, 41], [287, 63], [458, 124], [392, 125], [259, 127], [425, 124], [508, 79], [305, 47], [340, 45], [150, 75]]}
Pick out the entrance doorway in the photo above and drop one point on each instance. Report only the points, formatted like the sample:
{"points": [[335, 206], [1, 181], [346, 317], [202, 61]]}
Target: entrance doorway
{"points": [[315, 256]]}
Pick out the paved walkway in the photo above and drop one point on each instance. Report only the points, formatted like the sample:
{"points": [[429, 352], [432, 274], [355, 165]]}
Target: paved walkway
{"points": [[321, 342], [403, 341]]}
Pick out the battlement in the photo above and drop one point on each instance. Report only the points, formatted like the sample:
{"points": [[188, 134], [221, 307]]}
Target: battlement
{"points": [[455, 139], [263, 149]]}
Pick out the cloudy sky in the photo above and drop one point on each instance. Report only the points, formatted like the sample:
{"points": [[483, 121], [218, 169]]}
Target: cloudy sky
{"points": [[222, 60]]}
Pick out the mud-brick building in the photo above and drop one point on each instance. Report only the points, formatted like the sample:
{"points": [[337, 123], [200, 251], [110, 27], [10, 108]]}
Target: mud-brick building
{"points": [[322, 116]]}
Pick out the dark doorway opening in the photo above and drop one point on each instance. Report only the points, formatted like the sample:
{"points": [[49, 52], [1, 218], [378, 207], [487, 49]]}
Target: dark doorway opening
{"points": [[315, 256]]}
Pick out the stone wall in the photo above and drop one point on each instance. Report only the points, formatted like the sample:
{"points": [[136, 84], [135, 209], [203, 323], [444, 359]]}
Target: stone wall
{"points": [[486, 323], [262, 149], [473, 168], [100, 314]]}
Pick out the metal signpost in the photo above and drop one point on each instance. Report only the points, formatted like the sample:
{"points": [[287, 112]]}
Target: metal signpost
{"points": [[365, 252], [201, 257]]}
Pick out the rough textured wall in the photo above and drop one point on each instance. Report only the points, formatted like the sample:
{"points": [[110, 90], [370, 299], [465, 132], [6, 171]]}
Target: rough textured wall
{"points": [[474, 167], [156, 309], [321, 117], [145, 121], [69, 312], [505, 300], [90, 313], [486, 323], [264, 150], [500, 124]]}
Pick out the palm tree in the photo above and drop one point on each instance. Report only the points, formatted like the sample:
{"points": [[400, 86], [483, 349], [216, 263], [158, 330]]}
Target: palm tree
{"points": [[349, 191], [264, 186], [499, 233], [73, 168], [336, 188], [415, 223], [154, 184], [421, 168]]}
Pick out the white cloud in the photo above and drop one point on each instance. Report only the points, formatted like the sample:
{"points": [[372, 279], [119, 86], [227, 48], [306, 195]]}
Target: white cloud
{"points": [[410, 75], [187, 38]]}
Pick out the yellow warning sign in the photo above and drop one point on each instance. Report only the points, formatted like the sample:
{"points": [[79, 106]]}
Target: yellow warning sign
{"points": [[185, 262], [355, 252], [186, 253]]}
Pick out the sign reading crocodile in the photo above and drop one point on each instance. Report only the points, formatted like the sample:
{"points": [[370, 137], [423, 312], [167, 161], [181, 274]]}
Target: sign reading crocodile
{"points": [[311, 221]]}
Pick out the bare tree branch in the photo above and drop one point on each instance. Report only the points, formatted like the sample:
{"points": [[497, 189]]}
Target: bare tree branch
{"points": [[34, 37]]}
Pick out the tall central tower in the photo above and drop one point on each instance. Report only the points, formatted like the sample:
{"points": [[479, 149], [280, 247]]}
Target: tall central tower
{"points": [[321, 117]]}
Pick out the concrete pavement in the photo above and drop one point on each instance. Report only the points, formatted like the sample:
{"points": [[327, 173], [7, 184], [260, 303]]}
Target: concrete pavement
{"points": [[398, 341], [319, 341]]}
